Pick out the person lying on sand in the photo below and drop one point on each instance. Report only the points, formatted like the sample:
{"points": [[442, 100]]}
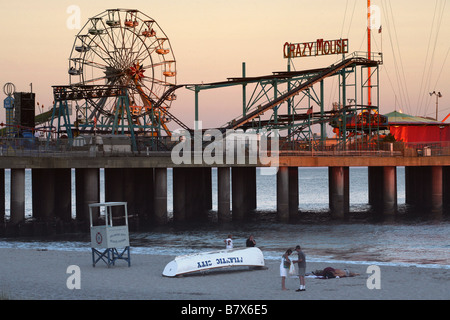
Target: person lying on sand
{"points": [[330, 272]]}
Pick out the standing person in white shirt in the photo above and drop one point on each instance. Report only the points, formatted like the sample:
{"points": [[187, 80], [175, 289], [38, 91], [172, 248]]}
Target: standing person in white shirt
{"points": [[229, 242], [284, 268]]}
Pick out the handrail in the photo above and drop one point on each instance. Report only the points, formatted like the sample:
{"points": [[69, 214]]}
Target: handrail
{"points": [[35, 147]]}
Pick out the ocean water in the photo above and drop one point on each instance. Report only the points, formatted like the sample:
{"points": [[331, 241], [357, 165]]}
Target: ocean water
{"points": [[406, 241]]}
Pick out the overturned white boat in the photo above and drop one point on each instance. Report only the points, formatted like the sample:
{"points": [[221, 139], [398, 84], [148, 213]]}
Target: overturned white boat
{"points": [[252, 257]]}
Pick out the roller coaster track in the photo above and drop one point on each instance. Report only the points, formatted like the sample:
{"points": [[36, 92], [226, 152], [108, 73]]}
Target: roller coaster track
{"points": [[157, 106], [166, 112], [324, 73]]}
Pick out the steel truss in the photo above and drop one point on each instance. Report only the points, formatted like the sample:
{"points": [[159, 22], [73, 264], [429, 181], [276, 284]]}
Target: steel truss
{"points": [[293, 102]]}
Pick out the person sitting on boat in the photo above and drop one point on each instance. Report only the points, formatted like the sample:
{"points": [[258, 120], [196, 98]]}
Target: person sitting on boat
{"points": [[250, 241]]}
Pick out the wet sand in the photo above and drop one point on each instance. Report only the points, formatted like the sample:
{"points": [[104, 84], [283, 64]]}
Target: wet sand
{"points": [[42, 275]]}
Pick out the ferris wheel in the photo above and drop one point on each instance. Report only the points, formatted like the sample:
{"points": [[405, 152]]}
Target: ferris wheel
{"points": [[126, 49]]}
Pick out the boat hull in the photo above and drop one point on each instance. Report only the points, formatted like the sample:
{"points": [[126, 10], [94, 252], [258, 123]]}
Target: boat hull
{"points": [[214, 260]]}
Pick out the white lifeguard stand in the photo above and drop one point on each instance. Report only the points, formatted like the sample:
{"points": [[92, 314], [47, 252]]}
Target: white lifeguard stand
{"points": [[109, 237]]}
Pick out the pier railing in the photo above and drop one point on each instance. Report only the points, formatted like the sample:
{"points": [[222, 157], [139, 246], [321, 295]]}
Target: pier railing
{"points": [[93, 147]]}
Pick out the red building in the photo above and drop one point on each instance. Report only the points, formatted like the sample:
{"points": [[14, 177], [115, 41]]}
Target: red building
{"points": [[409, 128]]}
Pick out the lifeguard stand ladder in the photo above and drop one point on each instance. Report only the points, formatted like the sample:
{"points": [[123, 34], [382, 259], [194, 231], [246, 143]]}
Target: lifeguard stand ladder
{"points": [[105, 239]]}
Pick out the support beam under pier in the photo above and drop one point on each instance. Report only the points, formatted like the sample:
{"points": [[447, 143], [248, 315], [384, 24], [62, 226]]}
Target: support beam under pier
{"points": [[338, 188], [436, 189], [383, 189], [425, 189], [52, 194], [192, 195], [389, 191], [160, 196], [2, 196], [243, 195], [287, 193], [283, 194], [446, 189], [87, 191], [17, 196], [223, 194], [135, 186], [143, 194], [63, 192], [293, 192]]}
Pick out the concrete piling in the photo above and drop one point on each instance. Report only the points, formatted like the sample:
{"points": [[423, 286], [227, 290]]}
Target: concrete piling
{"points": [[223, 194], [446, 188], [338, 188], [283, 194], [243, 185], [87, 191], [2, 195], [17, 196], [293, 192], [192, 194], [160, 196], [383, 189], [427, 190]]}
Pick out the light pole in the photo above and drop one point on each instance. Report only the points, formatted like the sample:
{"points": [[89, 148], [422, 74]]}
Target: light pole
{"points": [[438, 95]]}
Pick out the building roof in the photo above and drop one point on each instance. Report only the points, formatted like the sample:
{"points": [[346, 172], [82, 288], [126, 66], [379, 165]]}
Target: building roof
{"points": [[396, 117]]}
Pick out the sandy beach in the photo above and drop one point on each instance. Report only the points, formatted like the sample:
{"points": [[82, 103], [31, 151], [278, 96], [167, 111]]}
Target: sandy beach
{"points": [[42, 275]]}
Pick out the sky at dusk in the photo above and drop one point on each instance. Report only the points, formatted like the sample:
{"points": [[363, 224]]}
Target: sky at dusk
{"points": [[211, 39]]}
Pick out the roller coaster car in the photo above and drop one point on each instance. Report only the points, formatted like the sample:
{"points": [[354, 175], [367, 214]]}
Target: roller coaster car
{"points": [[383, 120], [367, 118], [375, 119], [363, 119]]}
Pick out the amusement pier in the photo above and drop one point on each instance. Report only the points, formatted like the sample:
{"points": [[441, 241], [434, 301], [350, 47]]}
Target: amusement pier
{"points": [[115, 115]]}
